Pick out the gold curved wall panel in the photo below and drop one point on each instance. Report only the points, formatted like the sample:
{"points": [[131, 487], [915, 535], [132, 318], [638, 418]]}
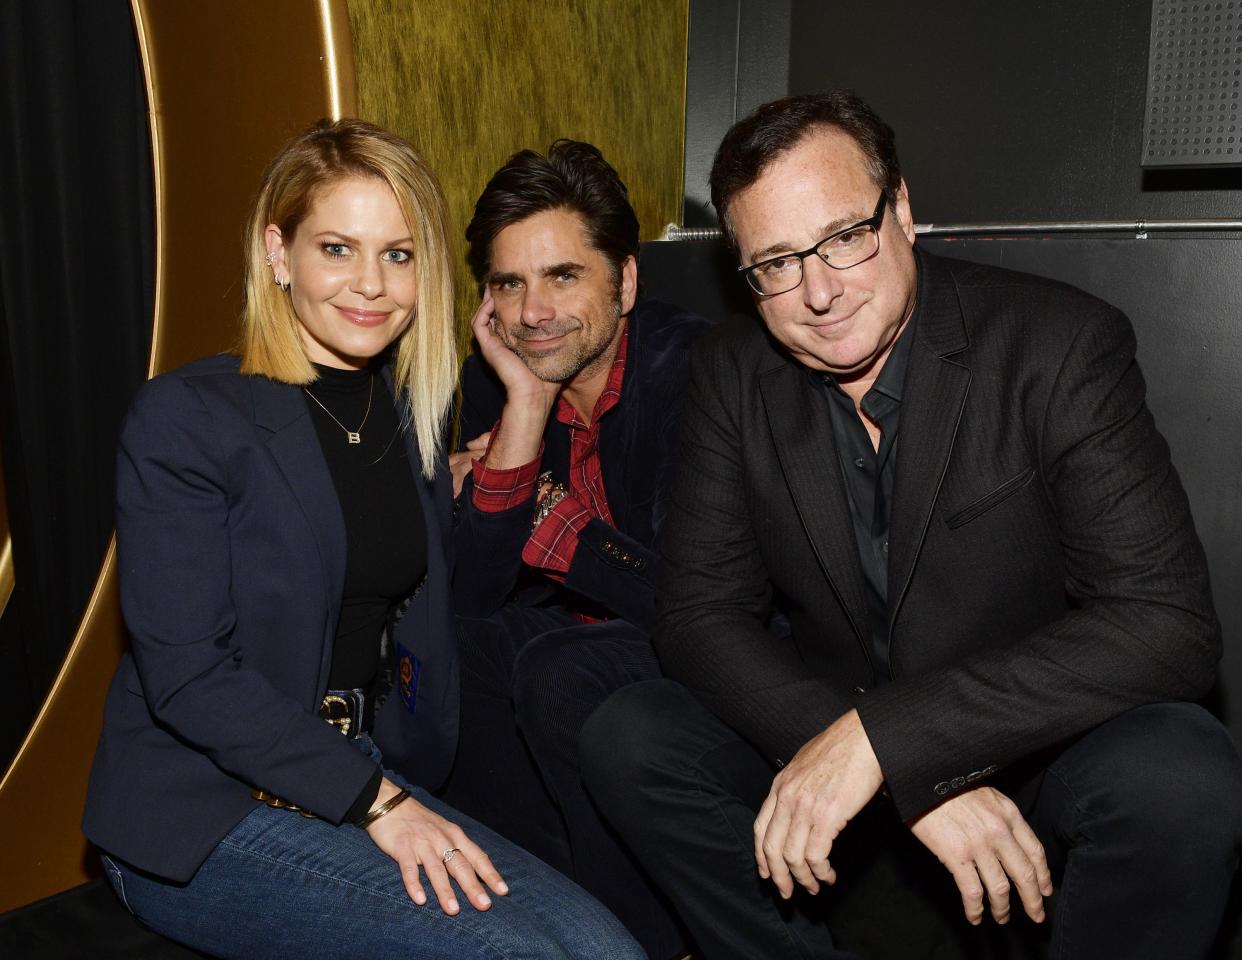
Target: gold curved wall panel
{"points": [[469, 84], [7, 579], [42, 793], [227, 83]]}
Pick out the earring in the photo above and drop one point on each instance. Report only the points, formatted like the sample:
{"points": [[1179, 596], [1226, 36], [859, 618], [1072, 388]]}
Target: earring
{"points": [[270, 258], [283, 284]]}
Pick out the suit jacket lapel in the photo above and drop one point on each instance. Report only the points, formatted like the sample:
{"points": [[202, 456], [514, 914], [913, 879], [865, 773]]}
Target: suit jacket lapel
{"points": [[802, 434], [294, 445], [428, 627], [933, 398], [616, 431]]}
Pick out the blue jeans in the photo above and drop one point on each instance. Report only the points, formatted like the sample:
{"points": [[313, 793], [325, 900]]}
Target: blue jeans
{"points": [[281, 885]]}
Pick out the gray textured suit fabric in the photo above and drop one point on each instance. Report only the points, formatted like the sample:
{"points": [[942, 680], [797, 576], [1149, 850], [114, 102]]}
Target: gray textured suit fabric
{"points": [[1044, 572]]}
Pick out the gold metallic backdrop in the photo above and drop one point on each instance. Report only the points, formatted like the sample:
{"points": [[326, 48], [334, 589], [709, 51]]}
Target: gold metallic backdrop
{"points": [[469, 84]]}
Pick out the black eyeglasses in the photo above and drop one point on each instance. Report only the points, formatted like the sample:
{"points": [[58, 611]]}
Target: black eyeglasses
{"points": [[841, 250]]}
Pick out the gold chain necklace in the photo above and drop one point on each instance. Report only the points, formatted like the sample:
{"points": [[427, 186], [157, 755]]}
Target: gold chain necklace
{"points": [[353, 436]]}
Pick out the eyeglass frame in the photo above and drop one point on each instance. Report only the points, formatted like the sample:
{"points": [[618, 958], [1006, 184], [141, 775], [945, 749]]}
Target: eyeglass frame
{"points": [[876, 220]]}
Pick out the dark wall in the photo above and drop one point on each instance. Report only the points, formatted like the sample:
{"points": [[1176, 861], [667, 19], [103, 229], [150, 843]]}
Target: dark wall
{"points": [[1007, 111], [738, 58]]}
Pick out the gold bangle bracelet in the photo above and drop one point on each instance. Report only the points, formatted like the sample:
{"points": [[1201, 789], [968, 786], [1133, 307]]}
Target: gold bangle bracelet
{"points": [[386, 807]]}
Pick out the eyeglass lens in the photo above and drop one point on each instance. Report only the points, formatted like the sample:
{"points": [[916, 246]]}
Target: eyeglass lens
{"points": [[842, 250]]}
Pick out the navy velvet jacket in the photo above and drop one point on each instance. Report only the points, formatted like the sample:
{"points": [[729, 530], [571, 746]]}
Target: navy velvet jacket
{"points": [[613, 567], [231, 559]]}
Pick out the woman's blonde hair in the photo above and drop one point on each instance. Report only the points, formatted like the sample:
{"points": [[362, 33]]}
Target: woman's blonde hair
{"points": [[424, 357]]}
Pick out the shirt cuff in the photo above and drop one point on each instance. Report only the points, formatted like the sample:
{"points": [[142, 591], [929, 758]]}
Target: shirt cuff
{"points": [[553, 544], [366, 800], [498, 490]]}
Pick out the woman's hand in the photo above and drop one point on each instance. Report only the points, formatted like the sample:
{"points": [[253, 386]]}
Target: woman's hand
{"points": [[462, 462], [417, 837]]}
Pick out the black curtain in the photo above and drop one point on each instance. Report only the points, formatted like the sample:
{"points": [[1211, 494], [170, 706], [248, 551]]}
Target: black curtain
{"points": [[76, 281]]}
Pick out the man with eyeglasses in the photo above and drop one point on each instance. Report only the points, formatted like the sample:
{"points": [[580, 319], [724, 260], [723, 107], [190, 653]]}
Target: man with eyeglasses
{"points": [[947, 476]]}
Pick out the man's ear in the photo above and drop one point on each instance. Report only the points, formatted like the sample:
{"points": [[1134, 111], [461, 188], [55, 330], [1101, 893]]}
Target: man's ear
{"points": [[901, 203], [629, 285]]}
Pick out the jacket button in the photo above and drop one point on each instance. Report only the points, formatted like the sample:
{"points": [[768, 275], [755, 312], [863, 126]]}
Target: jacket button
{"points": [[859, 690]]}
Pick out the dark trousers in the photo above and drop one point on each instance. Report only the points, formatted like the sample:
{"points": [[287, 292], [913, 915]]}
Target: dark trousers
{"points": [[530, 679], [1141, 819]]}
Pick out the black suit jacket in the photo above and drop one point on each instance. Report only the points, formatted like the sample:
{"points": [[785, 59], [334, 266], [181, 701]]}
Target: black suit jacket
{"points": [[614, 567], [231, 559], [1044, 573]]}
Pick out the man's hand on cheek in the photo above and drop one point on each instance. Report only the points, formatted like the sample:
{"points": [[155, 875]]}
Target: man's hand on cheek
{"points": [[495, 347], [528, 400]]}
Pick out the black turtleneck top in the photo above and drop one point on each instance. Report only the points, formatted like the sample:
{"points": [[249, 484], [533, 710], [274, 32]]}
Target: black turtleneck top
{"points": [[386, 536]]}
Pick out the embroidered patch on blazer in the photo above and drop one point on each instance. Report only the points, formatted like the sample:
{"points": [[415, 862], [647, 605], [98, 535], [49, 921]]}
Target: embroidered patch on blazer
{"points": [[407, 678]]}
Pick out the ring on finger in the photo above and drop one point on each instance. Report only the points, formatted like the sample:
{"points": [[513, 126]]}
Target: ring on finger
{"points": [[449, 853]]}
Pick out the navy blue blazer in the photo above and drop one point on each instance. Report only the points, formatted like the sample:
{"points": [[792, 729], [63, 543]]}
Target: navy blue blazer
{"points": [[231, 558], [614, 566]]}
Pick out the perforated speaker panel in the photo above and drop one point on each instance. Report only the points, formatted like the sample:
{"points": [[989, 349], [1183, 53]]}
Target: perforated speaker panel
{"points": [[1194, 77]]}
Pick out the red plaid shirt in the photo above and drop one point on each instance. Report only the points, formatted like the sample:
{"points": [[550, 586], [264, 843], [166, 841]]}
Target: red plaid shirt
{"points": [[551, 547]]}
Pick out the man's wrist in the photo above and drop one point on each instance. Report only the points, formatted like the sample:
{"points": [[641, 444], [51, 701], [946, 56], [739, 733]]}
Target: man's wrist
{"points": [[519, 436]]}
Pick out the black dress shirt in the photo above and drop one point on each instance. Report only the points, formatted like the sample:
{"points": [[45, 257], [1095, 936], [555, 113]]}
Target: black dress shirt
{"points": [[868, 475]]}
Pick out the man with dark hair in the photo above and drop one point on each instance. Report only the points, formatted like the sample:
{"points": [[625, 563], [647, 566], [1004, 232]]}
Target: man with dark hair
{"points": [[570, 415], [948, 476]]}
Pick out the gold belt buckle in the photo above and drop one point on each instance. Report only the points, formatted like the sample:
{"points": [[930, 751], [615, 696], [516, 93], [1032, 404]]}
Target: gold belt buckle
{"points": [[330, 703]]}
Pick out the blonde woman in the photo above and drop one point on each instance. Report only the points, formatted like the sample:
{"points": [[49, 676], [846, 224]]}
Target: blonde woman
{"points": [[282, 531]]}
